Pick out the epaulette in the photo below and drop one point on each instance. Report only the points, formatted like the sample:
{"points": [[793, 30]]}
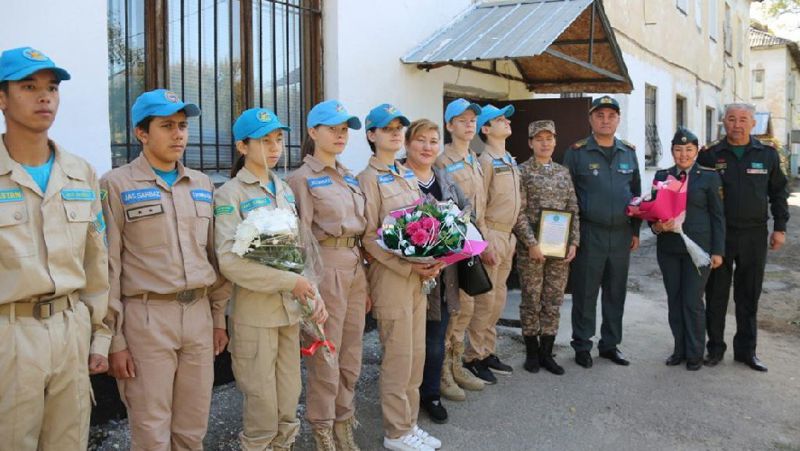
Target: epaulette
{"points": [[628, 144], [708, 146], [580, 143], [706, 168]]}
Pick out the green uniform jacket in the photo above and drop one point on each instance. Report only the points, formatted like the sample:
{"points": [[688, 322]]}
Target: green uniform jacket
{"points": [[750, 184], [705, 217], [604, 187]]}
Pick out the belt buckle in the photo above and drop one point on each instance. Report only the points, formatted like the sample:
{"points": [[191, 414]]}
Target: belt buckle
{"points": [[185, 296], [37, 309]]}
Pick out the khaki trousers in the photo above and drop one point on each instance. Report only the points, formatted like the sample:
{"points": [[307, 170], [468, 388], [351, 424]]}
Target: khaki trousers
{"points": [[169, 399], [482, 330], [45, 394], [266, 364], [330, 389], [403, 340]]}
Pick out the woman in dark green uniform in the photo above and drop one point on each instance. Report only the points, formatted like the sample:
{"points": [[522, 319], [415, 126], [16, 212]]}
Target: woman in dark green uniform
{"points": [[705, 225]]}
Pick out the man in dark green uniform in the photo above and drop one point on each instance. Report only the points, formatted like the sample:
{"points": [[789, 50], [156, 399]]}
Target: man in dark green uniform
{"points": [[752, 180], [605, 173]]}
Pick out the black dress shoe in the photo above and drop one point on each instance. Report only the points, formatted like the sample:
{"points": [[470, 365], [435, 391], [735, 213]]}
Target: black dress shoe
{"points": [[694, 364], [584, 359], [674, 360], [435, 410], [753, 362], [615, 356], [713, 359]]}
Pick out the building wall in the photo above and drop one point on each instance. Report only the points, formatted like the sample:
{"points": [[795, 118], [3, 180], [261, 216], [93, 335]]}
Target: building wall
{"points": [[775, 62], [362, 65], [81, 124], [675, 51]]}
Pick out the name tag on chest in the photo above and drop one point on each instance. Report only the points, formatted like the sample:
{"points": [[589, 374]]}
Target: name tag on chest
{"points": [[757, 171], [385, 178], [142, 212], [140, 195], [319, 182]]}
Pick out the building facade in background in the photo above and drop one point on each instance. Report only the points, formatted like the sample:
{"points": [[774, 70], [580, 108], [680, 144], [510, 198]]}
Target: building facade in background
{"points": [[775, 89], [669, 62]]}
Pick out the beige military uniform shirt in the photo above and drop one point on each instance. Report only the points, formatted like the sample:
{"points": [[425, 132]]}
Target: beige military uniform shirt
{"points": [[160, 238], [261, 295], [387, 189], [52, 243], [543, 187], [468, 175], [329, 201], [501, 184]]}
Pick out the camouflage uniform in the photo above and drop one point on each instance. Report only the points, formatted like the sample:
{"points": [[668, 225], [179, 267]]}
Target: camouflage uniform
{"points": [[543, 186]]}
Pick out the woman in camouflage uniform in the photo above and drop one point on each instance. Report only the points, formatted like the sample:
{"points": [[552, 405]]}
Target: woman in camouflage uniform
{"points": [[544, 184]]}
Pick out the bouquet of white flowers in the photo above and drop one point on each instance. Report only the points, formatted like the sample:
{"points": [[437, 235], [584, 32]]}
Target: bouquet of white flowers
{"points": [[274, 238]]}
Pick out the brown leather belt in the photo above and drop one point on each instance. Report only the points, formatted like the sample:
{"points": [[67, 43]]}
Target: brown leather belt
{"points": [[500, 227], [342, 241], [184, 297], [36, 309]]}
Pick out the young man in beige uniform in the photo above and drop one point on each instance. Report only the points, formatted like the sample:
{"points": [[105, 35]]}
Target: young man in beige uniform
{"points": [[501, 185], [167, 302], [462, 164], [53, 267]]}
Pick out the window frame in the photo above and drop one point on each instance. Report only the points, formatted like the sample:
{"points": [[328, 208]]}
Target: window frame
{"points": [[156, 67], [652, 153]]}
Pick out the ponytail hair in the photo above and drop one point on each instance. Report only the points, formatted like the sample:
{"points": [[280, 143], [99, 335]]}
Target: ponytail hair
{"points": [[308, 147], [239, 164]]}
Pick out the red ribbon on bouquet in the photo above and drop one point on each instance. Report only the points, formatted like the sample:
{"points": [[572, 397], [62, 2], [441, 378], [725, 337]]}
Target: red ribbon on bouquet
{"points": [[312, 349]]}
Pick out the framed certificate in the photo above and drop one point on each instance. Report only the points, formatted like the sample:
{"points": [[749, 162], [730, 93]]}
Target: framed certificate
{"points": [[554, 227]]}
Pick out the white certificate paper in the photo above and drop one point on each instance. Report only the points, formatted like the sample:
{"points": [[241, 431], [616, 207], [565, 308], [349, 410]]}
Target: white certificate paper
{"points": [[554, 227]]}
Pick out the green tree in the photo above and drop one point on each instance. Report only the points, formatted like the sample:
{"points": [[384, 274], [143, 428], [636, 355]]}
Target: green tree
{"points": [[776, 8]]}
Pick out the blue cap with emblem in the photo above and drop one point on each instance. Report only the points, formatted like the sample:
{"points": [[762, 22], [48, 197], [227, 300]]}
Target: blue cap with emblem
{"points": [[489, 112], [255, 123], [160, 102], [17, 64], [457, 108], [331, 112], [381, 115]]}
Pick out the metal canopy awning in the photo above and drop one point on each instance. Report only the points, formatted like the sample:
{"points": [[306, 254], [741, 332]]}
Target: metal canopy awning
{"points": [[552, 45]]}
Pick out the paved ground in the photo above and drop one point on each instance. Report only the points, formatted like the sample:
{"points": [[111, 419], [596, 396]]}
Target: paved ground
{"points": [[644, 406]]}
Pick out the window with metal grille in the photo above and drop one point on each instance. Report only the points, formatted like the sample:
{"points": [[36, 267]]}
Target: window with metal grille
{"points": [[653, 143], [710, 123], [225, 56], [680, 111]]}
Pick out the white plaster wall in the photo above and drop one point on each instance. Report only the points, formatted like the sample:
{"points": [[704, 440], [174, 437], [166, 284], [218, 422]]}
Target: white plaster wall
{"points": [[74, 35], [774, 62], [362, 65]]}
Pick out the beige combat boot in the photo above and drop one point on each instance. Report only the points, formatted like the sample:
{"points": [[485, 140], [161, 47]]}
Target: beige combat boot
{"points": [[324, 439], [447, 386], [464, 378], [343, 434]]}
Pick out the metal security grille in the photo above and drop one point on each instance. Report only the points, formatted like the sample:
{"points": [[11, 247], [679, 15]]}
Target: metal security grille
{"points": [[224, 55], [653, 148]]}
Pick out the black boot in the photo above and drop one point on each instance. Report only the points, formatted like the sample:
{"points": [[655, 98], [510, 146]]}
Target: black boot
{"points": [[546, 356], [531, 353]]}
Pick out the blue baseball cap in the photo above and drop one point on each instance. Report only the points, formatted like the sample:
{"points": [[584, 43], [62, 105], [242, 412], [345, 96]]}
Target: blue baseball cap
{"points": [[331, 112], [160, 102], [489, 112], [457, 108], [381, 115], [255, 123], [17, 64]]}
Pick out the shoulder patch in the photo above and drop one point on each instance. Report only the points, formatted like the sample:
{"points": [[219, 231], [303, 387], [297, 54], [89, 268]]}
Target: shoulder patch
{"points": [[628, 144], [103, 194], [580, 143]]}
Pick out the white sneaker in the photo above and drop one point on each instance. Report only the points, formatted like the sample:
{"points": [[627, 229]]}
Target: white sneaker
{"points": [[408, 442], [426, 438]]}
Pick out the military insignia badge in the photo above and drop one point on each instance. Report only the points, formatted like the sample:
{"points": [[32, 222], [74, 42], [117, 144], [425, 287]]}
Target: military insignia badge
{"points": [[339, 108], [171, 97], [263, 116], [34, 55]]}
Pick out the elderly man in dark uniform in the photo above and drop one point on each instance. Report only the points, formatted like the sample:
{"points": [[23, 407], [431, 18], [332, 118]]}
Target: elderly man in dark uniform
{"points": [[605, 173], [752, 180], [704, 224]]}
